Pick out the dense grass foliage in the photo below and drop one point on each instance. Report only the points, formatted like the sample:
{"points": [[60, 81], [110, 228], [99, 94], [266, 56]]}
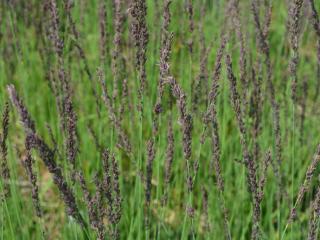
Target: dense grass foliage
{"points": [[159, 119]]}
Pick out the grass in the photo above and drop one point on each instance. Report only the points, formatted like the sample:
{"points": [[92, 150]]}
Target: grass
{"points": [[27, 53]]}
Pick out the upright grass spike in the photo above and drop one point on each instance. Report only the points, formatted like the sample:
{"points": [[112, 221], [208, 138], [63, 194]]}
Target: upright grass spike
{"points": [[256, 111], [294, 15], [313, 231], [190, 12], [316, 26], [238, 28], [28, 163], [169, 160], [303, 103], [103, 40], [5, 172], [148, 183], [117, 39], [140, 35]]}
